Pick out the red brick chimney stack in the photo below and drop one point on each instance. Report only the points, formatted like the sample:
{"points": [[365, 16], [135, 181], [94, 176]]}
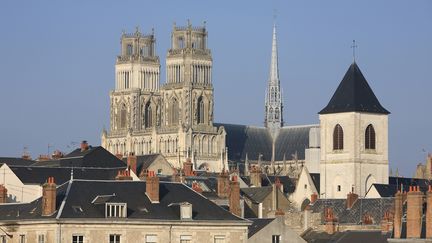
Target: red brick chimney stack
{"points": [[123, 175], [84, 146], [429, 213], [49, 193], [314, 198], [351, 199], [152, 187], [3, 194], [386, 223], [255, 176], [414, 212], [234, 197], [330, 220], [132, 162], [398, 215], [223, 184], [188, 168]]}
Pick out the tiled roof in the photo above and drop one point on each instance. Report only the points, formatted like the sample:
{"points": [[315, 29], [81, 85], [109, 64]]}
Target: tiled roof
{"points": [[354, 94], [81, 193]]}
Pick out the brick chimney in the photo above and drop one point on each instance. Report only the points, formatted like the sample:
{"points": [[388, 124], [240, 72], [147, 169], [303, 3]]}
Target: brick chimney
{"points": [[398, 215], [330, 219], [314, 198], [188, 168], [223, 184], [123, 175], [84, 146], [351, 199], [196, 187], [152, 187], [414, 212], [132, 162], [255, 176], [429, 213], [49, 193], [367, 219], [3, 194], [386, 223], [234, 197]]}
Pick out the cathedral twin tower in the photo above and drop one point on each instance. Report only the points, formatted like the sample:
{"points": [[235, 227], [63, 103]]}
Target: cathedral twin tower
{"points": [[175, 119]]}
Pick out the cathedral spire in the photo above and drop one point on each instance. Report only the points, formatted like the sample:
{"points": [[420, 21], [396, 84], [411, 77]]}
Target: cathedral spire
{"points": [[273, 106]]}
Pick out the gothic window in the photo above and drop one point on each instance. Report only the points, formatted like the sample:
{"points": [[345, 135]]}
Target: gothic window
{"points": [[271, 113], [338, 138], [123, 116], [174, 112], [277, 113], [200, 111], [148, 118], [129, 49], [180, 42], [370, 137]]}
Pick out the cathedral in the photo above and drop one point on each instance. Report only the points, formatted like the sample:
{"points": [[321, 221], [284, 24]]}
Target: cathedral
{"points": [[174, 119]]}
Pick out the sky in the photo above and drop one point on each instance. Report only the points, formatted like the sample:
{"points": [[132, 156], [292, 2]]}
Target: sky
{"points": [[57, 64]]}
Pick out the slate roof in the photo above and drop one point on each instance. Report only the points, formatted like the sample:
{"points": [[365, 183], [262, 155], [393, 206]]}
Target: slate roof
{"points": [[10, 161], [376, 207], [289, 184], [251, 140], [256, 194], [257, 225], [144, 161], [38, 174], [96, 157], [354, 94], [81, 193], [316, 180]]}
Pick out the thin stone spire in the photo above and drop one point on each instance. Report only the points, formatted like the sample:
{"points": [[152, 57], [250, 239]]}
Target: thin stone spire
{"points": [[273, 104]]}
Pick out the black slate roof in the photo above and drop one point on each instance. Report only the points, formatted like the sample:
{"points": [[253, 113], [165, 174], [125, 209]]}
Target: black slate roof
{"points": [[289, 184], [257, 225], [81, 193], [316, 180], [354, 94], [10, 161], [39, 175], [256, 194], [96, 157], [253, 141]]}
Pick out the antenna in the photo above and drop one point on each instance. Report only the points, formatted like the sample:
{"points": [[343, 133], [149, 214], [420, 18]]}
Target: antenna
{"points": [[354, 46]]}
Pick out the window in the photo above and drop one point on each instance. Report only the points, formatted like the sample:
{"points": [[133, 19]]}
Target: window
{"points": [[148, 119], [185, 239], [338, 138], [123, 116], [41, 238], [339, 188], [77, 239], [370, 137], [22, 239], [114, 239], [129, 49], [115, 210], [200, 111], [305, 186], [276, 238], [180, 43], [151, 239], [174, 112], [219, 239]]}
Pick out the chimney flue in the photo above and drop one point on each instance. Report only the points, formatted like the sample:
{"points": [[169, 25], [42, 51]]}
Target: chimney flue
{"points": [[49, 193], [84, 146], [152, 187], [414, 212], [132, 162], [3, 194], [223, 184], [234, 197], [351, 199]]}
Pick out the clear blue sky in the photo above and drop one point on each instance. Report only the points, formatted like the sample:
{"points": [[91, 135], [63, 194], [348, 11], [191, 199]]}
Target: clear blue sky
{"points": [[57, 63]]}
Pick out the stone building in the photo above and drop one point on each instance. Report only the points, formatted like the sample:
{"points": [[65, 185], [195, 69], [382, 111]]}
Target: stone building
{"points": [[175, 119]]}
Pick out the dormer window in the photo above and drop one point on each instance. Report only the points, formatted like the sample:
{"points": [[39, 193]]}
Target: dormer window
{"points": [[115, 210]]}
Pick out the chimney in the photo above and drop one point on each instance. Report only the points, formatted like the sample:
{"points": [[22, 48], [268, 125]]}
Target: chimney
{"points": [[223, 184], [187, 168], [330, 220], [234, 197], [84, 146], [196, 187], [429, 213], [132, 162], [49, 194], [351, 199], [123, 175], [414, 212], [152, 187], [367, 219], [386, 223], [314, 198], [398, 215], [255, 176], [3, 194]]}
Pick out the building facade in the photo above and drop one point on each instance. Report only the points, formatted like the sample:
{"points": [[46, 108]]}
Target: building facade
{"points": [[175, 119]]}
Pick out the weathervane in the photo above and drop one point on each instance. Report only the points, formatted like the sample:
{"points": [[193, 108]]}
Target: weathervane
{"points": [[354, 46]]}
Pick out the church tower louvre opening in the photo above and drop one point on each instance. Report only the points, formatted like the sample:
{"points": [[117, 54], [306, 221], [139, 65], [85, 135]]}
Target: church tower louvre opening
{"points": [[174, 119]]}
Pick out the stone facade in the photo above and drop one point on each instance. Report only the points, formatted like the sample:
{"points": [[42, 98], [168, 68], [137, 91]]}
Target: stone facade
{"points": [[175, 119]]}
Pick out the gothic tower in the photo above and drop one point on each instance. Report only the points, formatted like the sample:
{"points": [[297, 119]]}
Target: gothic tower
{"points": [[354, 139], [273, 105]]}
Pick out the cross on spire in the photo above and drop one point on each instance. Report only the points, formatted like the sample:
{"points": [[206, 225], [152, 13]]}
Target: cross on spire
{"points": [[354, 46]]}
